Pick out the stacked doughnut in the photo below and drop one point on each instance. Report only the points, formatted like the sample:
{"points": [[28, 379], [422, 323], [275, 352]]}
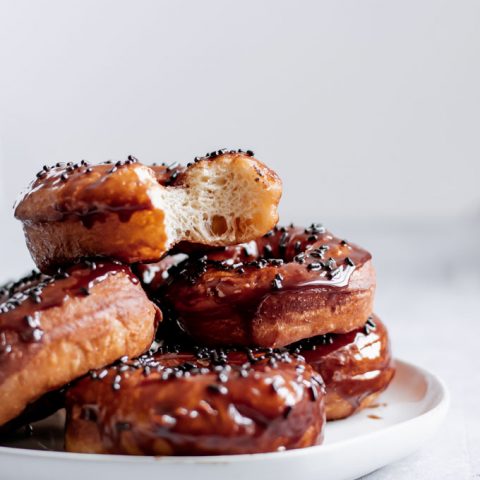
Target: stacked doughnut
{"points": [[300, 290], [171, 316]]}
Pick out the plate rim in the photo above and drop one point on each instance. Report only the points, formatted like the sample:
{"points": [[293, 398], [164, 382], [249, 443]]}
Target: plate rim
{"points": [[440, 407]]}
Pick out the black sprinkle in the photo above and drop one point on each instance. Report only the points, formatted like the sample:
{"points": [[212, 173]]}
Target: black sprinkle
{"points": [[349, 261], [300, 258], [331, 264], [277, 282], [370, 326], [313, 393], [276, 262], [220, 389]]}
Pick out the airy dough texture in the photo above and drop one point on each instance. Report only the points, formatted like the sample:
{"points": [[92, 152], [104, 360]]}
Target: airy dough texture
{"points": [[222, 202]]}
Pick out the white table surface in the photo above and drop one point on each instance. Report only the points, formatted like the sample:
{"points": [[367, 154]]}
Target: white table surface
{"points": [[429, 296]]}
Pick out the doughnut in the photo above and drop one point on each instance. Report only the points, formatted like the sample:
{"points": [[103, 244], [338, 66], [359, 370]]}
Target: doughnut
{"points": [[135, 213], [203, 402], [356, 366], [39, 409], [291, 284], [54, 329]]}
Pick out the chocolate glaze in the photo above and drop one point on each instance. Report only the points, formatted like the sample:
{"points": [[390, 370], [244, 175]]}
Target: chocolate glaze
{"points": [[353, 365], [87, 192], [155, 276], [234, 282], [302, 257], [93, 192], [22, 302], [206, 402]]}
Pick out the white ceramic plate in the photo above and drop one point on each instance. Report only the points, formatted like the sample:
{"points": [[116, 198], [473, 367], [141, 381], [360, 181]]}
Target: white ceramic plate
{"points": [[404, 417]]}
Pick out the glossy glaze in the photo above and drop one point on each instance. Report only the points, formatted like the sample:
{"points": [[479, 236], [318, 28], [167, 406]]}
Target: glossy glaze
{"points": [[155, 276], [55, 329], [206, 403], [22, 303], [227, 295], [355, 366], [92, 192]]}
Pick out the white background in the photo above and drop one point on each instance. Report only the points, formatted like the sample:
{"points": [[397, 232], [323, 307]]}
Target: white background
{"points": [[369, 111]]}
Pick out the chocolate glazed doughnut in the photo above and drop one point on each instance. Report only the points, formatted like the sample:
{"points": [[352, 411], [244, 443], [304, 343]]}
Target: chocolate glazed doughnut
{"points": [[291, 284], [356, 366], [136, 213], [54, 329], [203, 403]]}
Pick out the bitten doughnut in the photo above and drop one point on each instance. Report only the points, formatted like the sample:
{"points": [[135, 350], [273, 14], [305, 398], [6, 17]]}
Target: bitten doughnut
{"points": [[135, 213], [291, 284], [356, 366], [206, 403], [54, 329]]}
